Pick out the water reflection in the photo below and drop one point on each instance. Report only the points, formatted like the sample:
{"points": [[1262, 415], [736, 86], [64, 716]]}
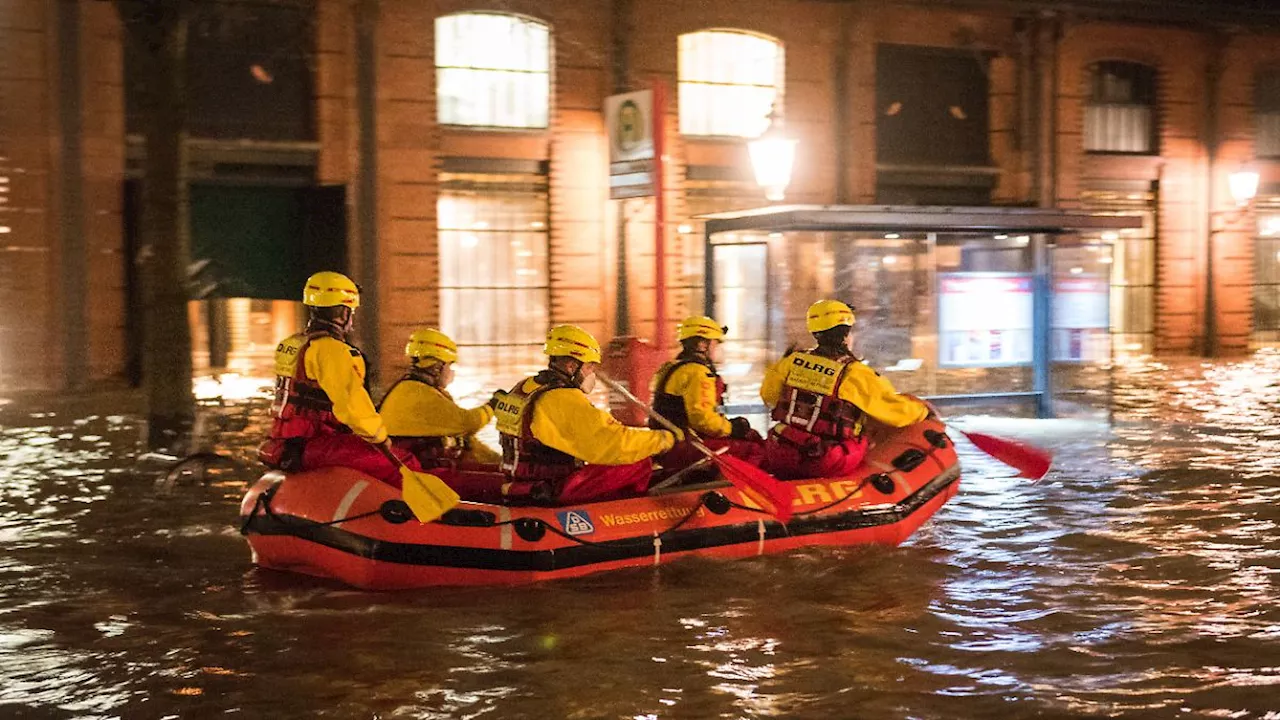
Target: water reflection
{"points": [[1139, 579]]}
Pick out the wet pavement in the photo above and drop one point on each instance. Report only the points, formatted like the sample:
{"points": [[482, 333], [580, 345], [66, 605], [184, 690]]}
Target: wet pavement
{"points": [[1140, 579]]}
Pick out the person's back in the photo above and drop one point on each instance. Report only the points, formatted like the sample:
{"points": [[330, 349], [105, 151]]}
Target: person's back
{"points": [[322, 415], [423, 418], [820, 397], [689, 392], [556, 445]]}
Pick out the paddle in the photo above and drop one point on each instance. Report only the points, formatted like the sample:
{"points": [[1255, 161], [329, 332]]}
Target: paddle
{"points": [[771, 494], [1030, 462], [425, 494]]}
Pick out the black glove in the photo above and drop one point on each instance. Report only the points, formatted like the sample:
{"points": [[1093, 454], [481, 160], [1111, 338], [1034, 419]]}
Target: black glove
{"points": [[741, 428]]}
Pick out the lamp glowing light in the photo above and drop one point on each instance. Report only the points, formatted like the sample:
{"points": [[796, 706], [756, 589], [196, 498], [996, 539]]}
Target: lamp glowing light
{"points": [[1244, 186], [773, 156]]}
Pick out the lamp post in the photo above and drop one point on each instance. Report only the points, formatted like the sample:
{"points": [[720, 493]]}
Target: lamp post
{"points": [[1243, 185], [773, 155]]}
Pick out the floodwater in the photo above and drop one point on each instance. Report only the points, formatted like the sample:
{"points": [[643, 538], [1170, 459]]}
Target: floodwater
{"points": [[1140, 579]]}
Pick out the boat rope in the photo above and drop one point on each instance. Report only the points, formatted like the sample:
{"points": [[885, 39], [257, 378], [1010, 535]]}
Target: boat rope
{"points": [[263, 504]]}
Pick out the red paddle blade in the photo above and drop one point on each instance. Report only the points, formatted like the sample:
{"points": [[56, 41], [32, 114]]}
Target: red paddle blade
{"points": [[771, 494], [1030, 462]]}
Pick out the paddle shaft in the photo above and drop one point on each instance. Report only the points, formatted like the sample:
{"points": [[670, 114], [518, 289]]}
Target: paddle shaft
{"points": [[392, 456], [672, 427]]}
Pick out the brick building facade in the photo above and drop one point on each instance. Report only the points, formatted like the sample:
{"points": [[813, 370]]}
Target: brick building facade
{"points": [[411, 180]]}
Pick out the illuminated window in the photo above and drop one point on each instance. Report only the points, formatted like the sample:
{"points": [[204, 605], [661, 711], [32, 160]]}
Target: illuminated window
{"points": [[1133, 269], [1119, 117], [1266, 103], [492, 71], [494, 293], [728, 82], [1266, 279]]}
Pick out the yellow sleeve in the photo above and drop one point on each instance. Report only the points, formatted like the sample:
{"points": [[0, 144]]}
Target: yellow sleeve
{"points": [[695, 384], [771, 386], [877, 398], [414, 409], [341, 375], [566, 420]]}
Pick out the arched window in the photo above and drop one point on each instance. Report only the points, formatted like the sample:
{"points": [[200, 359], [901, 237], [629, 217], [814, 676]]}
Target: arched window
{"points": [[492, 70], [1120, 116], [1266, 105], [728, 81]]}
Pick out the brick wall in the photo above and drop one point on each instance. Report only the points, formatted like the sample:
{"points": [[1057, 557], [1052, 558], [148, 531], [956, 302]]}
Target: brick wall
{"points": [[102, 165], [25, 163], [1234, 258]]}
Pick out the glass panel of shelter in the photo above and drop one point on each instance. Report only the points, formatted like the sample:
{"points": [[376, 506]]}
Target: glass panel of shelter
{"points": [[938, 313]]}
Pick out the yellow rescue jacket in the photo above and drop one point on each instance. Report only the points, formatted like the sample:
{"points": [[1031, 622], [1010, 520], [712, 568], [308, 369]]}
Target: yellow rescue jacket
{"points": [[696, 392], [339, 370], [412, 408], [860, 385], [417, 410], [564, 420]]}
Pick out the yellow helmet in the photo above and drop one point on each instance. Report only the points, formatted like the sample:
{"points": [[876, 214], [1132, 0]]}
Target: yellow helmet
{"points": [[700, 326], [573, 341], [330, 289], [431, 343], [826, 314]]}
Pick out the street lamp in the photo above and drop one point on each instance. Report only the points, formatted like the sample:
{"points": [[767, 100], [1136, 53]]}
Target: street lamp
{"points": [[1243, 185], [773, 155]]}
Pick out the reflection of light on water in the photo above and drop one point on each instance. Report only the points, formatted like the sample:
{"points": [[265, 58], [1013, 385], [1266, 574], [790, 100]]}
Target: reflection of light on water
{"points": [[731, 659], [231, 386]]}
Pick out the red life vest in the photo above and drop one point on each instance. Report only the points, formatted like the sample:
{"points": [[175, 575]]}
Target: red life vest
{"points": [[301, 408], [809, 418], [524, 457], [670, 405], [426, 448]]}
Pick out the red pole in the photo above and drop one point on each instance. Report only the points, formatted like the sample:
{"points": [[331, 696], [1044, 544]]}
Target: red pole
{"points": [[659, 217]]}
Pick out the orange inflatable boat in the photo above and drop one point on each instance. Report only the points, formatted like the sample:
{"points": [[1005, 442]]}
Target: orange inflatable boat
{"points": [[338, 523]]}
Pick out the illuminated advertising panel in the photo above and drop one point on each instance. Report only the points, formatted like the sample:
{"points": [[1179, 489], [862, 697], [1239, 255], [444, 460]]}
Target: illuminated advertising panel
{"points": [[984, 319], [1081, 319]]}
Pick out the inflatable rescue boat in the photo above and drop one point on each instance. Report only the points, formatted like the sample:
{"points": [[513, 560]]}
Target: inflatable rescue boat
{"points": [[339, 523]]}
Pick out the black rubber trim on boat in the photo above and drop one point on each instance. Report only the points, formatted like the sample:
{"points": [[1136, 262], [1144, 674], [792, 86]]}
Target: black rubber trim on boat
{"points": [[910, 459], [595, 552]]}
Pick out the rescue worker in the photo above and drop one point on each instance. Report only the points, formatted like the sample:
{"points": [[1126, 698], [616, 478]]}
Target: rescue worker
{"points": [[820, 397], [323, 415], [689, 392], [559, 448], [422, 417]]}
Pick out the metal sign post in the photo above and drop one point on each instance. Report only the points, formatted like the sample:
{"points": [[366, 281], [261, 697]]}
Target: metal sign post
{"points": [[659, 218]]}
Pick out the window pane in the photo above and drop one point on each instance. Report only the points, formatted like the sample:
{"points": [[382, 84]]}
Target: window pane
{"points": [[1119, 116], [493, 267], [728, 82], [1266, 278], [492, 70]]}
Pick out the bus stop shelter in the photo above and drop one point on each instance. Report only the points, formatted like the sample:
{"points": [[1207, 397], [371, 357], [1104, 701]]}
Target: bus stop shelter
{"points": [[958, 304]]}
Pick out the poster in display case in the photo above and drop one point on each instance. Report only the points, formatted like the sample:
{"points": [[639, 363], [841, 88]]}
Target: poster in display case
{"points": [[984, 319]]}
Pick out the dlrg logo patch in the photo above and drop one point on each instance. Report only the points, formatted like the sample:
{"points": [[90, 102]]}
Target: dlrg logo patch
{"points": [[576, 522]]}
